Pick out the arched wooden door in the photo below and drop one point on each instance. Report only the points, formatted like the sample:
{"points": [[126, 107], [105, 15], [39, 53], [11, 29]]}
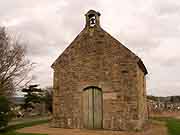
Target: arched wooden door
{"points": [[92, 108]]}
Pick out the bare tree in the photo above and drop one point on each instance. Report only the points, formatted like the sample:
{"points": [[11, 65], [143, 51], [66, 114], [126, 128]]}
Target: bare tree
{"points": [[14, 67]]}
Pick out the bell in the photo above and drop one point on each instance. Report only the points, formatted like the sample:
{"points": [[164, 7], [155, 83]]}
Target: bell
{"points": [[92, 21]]}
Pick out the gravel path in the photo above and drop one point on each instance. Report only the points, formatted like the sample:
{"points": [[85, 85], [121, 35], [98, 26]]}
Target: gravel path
{"points": [[153, 129]]}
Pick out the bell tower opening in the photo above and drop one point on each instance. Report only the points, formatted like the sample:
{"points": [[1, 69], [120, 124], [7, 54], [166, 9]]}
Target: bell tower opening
{"points": [[92, 20]]}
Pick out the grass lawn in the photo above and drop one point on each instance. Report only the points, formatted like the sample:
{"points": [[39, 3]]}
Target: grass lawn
{"points": [[172, 124], [26, 120], [10, 130]]}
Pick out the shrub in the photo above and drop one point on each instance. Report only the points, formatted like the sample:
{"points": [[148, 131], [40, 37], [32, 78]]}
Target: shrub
{"points": [[4, 111]]}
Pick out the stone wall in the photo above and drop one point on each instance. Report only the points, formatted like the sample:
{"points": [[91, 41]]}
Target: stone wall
{"points": [[142, 99]]}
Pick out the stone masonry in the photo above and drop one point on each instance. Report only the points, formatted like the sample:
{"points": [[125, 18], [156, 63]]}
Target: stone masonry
{"points": [[95, 58]]}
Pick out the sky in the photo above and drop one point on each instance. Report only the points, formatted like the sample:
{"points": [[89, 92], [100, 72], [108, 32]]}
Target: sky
{"points": [[150, 28]]}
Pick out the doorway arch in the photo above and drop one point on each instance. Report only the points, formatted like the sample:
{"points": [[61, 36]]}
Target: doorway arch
{"points": [[92, 107]]}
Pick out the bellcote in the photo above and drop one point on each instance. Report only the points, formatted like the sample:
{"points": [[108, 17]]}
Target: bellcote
{"points": [[92, 18]]}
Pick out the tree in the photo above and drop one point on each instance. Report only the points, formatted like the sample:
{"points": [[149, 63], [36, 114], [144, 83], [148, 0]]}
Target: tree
{"points": [[14, 67], [4, 111], [33, 95], [48, 98]]}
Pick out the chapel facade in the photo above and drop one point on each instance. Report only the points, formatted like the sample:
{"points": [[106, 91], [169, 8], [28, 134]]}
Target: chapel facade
{"points": [[98, 82]]}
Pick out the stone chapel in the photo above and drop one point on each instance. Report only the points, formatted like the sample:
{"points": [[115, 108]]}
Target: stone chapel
{"points": [[98, 82]]}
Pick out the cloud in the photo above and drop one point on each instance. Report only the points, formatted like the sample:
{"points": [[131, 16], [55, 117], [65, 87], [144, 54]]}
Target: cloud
{"points": [[168, 7], [149, 28]]}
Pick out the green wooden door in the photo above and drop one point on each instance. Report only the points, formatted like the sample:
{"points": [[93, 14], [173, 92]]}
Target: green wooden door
{"points": [[92, 108]]}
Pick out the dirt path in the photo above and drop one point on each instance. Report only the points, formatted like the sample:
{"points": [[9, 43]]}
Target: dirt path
{"points": [[153, 129]]}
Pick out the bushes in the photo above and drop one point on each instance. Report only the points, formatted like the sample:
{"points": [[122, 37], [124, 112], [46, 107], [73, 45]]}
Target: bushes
{"points": [[4, 111]]}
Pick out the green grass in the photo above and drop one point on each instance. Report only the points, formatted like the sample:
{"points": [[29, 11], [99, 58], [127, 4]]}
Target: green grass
{"points": [[10, 130], [172, 124]]}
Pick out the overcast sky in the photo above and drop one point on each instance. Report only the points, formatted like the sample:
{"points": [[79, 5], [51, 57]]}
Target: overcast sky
{"points": [[150, 28]]}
